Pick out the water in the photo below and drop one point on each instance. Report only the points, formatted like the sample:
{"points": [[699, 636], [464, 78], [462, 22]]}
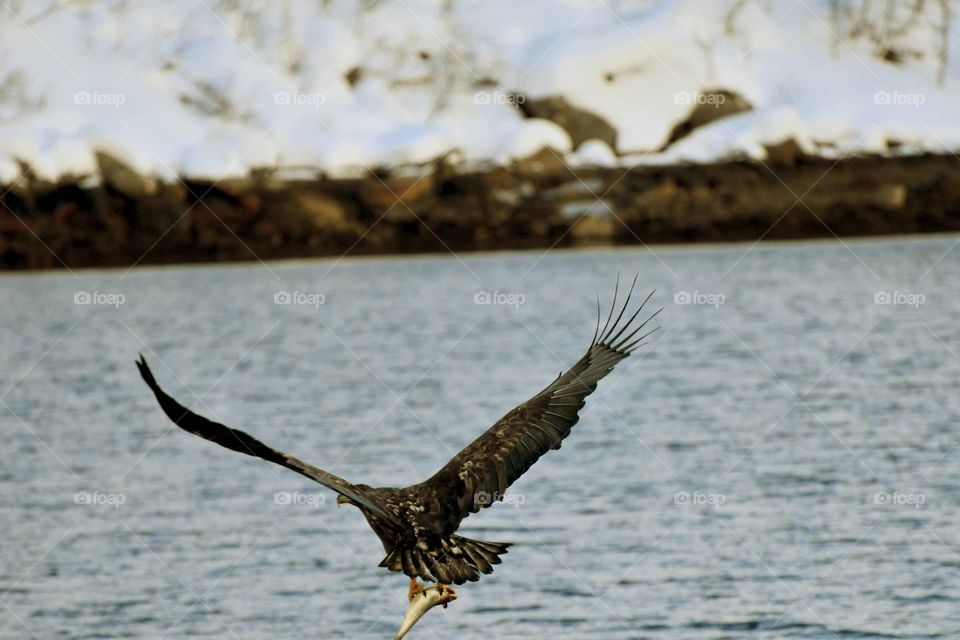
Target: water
{"points": [[781, 465]]}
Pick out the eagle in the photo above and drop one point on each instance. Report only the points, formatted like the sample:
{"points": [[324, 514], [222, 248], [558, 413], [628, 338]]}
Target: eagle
{"points": [[417, 524]]}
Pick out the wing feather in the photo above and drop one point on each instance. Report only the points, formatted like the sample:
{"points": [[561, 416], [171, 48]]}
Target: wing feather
{"points": [[241, 442], [480, 474]]}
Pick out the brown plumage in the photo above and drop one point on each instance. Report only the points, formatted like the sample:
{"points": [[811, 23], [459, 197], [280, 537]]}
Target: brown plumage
{"points": [[417, 524]]}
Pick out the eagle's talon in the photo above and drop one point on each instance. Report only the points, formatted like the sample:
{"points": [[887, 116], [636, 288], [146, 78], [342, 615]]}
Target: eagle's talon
{"points": [[415, 588], [447, 594]]}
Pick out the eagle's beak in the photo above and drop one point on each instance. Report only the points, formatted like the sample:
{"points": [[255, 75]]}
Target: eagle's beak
{"points": [[342, 500]]}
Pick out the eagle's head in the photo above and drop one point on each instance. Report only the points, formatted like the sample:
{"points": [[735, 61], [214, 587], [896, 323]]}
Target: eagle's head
{"points": [[343, 500]]}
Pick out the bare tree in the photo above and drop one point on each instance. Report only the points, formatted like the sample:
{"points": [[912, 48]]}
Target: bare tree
{"points": [[889, 26]]}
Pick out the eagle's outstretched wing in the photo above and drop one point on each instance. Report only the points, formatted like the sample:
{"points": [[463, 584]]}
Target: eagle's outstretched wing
{"points": [[480, 474], [245, 443]]}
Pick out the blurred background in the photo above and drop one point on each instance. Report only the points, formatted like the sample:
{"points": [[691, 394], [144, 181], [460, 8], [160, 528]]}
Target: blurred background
{"points": [[780, 461], [230, 130]]}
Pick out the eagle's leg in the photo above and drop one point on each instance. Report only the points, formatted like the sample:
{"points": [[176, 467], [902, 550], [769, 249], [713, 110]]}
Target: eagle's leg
{"points": [[415, 588], [447, 594]]}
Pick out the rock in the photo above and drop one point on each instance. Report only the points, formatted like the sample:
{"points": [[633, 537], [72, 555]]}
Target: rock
{"points": [[544, 162], [784, 154], [511, 193], [580, 124], [592, 229], [353, 76], [237, 187], [891, 196], [391, 193], [592, 220], [319, 210], [574, 190], [507, 197], [659, 199], [122, 178], [204, 231], [304, 217], [590, 207], [708, 107]]}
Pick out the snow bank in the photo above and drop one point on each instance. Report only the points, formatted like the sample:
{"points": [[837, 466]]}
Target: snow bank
{"points": [[214, 89]]}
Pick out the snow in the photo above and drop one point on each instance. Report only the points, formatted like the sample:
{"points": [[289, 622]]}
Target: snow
{"points": [[593, 153], [9, 171], [214, 90]]}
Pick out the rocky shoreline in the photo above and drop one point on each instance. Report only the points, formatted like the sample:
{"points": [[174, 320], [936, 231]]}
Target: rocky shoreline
{"points": [[122, 219]]}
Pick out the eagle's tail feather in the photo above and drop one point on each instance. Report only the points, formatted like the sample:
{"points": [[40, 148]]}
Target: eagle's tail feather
{"points": [[393, 561], [464, 559], [457, 560], [483, 554]]}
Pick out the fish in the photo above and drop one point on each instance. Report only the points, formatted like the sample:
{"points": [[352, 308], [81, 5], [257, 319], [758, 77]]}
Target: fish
{"points": [[422, 602]]}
